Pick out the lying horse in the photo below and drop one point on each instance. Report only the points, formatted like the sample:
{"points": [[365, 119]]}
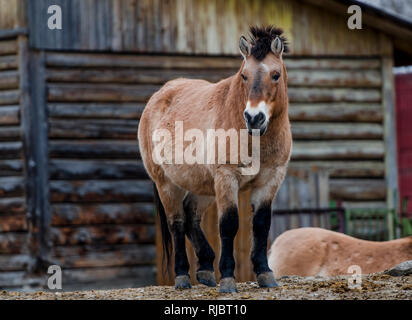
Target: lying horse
{"points": [[321, 252], [254, 99]]}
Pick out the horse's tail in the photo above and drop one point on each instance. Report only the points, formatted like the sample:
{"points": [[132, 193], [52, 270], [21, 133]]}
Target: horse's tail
{"points": [[166, 236]]}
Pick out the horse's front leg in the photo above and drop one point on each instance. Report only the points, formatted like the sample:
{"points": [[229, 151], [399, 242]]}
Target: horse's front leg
{"points": [[226, 188], [261, 200]]}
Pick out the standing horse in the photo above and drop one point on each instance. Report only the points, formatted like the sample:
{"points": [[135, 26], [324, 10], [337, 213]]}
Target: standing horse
{"points": [[254, 99]]}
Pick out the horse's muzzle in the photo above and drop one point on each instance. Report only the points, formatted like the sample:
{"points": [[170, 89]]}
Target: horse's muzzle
{"points": [[257, 121]]}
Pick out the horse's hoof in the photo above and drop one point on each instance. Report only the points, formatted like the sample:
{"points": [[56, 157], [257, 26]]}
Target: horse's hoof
{"points": [[267, 280], [182, 282], [228, 285], [206, 277]]}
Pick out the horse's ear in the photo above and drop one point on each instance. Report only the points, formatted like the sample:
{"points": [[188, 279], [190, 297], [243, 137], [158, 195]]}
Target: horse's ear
{"points": [[244, 47], [277, 46]]}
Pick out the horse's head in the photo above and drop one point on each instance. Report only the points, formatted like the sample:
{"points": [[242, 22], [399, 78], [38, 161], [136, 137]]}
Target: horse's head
{"points": [[264, 76]]}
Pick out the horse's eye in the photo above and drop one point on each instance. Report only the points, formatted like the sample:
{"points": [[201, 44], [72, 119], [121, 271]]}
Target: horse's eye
{"points": [[276, 77], [243, 77]]}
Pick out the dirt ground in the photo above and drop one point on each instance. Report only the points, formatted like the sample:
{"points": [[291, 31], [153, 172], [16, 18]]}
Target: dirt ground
{"points": [[375, 286]]}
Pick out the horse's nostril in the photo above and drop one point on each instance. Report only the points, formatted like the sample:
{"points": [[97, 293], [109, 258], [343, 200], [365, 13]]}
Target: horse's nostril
{"points": [[247, 116]]}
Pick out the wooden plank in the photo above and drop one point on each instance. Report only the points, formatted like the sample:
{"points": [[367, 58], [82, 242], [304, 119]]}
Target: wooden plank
{"points": [[319, 130], [16, 280], [94, 149], [103, 256], [100, 92], [61, 169], [297, 94], [313, 150], [9, 133], [96, 110], [8, 47], [99, 60], [9, 115], [93, 128], [10, 150], [9, 97], [364, 204], [104, 234], [345, 63], [105, 277], [356, 112], [110, 214], [12, 242], [8, 62], [101, 191], [9, 80], [335, 78], [13, 222], [14, 262], [11, 186], [359, 189], [12, 205], [10, 167], [136, 76], [343, 169]]}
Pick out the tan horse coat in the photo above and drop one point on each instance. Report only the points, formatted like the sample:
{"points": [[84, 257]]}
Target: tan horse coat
{"points": [[321, 252]]}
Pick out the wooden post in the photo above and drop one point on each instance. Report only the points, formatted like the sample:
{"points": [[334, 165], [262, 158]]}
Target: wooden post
{"points": [[388, 102], [34, 133]]}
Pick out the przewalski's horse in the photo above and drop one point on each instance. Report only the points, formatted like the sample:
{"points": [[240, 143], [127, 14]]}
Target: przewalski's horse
{"points": [[320, 252], [255, 98]]}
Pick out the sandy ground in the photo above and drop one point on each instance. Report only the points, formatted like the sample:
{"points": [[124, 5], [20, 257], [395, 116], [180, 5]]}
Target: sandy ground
{"points": [[375, 286]]}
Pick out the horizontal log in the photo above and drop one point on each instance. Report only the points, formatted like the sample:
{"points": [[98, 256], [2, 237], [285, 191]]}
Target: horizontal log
{"points": [[9, 80], [14, 262], [8, 47], [8, 62], [103, 256], [343, 169], [335, 78], [335, 150], [10, 150], [12, 205], [144, 275], [357, 189], [104, 234], [12, 33], [74, 214], [9, 115], [83, 60], [9, 97], [364, 204], [16, 280], [319, 130], [54, 59], [96, 110], [11, 186], [92, 128], [332, 63], [101, 191], [100, 92], [13, 242], [297, 94], [359, 112], [11, 167], [134, 76], [13, 222], [61, 169], [9, 133], [94, 149]]}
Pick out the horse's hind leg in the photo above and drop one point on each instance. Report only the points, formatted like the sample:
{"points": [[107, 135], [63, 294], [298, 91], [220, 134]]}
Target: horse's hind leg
{"points": [[194, 206], [172, 198]]}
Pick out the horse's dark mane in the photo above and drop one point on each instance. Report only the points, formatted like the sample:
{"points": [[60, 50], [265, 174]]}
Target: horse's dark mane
{"points": [[261, 39]]}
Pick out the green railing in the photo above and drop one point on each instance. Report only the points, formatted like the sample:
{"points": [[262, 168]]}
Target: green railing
{"points": [[372, 224]]}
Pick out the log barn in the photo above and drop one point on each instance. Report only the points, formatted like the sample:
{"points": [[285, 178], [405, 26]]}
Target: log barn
{"points": [[73, 191]]}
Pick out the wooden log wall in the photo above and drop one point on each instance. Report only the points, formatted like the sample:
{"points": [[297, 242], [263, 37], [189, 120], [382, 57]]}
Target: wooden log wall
{"points": [[14, 252]]}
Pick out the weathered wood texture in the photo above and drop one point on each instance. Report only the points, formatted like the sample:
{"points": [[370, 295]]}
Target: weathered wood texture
{"points": [[14, 254], [194, 27]]}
